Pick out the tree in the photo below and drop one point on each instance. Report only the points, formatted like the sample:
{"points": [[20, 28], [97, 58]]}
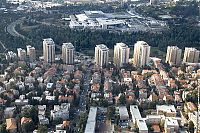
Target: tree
{"points": [[122, 99], [110, 112], [103, 102], [31, 113], [191, 127], [42, 129], [28, 127], [3, 128]]}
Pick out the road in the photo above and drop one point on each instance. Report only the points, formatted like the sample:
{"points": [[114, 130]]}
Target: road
{"points": [[82, 102], [11, 28], [3, 46]]}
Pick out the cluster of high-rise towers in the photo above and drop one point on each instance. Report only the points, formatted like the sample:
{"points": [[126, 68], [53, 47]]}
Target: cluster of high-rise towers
{"points": [[140, 58]]}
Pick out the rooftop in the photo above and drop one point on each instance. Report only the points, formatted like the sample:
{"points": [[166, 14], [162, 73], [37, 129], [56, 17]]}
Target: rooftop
{"points": [[166, 108], [102, 46], [135, 111]]}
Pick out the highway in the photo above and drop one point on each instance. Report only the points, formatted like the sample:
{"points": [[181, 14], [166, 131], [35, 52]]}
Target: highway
{"points": [[11, 28]]}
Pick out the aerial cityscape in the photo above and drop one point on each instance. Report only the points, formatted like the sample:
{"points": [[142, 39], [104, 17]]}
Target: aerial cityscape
{"points": [[99, 66]]}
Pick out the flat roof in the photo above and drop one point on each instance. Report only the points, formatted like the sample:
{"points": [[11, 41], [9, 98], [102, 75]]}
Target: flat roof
{"points": [[166, 108], [109, 21], [171, 122], [142, 124], [135, 112], [91, 121], [123, 112]]}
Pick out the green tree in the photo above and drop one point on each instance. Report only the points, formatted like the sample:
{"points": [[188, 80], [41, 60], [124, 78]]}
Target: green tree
{"points": [[31, 113], [191, 127], [42, 129], [3, 128], [122, 99], [103, 102], [28, 127]]}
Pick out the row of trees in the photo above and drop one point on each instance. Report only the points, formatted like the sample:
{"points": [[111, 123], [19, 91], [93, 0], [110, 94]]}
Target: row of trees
{"points": [[182, 36]]}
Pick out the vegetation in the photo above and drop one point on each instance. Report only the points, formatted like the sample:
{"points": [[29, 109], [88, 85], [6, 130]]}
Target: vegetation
{"points": [[184, 34], [42, 129]]}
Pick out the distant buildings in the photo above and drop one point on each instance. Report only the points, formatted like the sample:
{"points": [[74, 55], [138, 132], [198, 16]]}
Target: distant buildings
{"points": [[101, 55], [31, 52], [121, 54], [141, 54], [21, 54], [68, 53], [49, 50], [173, 56], [191, 55]]}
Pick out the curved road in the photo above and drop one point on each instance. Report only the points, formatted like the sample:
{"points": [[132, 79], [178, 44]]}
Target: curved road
{"points": [[11, 28]]}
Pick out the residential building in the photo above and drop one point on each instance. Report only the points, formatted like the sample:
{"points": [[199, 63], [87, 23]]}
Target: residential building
{"points": [[43, 120], [49, 50], [141, 54], [11, 125], [25, 120], [167, 110], [60, 111], [153, 119], [68, 53], [141, 124], [171, 125], [31, 52], [121, 54], [191, 55], [123, 113], [91, 121], [135, 113], [21, 54], [173, 56], [101, 55], [9, 112], [10, 55]]}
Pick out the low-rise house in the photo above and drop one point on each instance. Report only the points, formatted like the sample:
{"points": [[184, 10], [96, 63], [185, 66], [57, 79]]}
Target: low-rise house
{"points": [[153, 97], [50, 86], [50, 98], [61, 112], [167, 110], [41, 109], [25, 120], [171, 125], [168, 98], [193, 117], [123, 113], [21, 101], [189, 107], [135, 113], [109, 97], [153, 119], [9, 112], [62, 126], [141, 124], [143, 94], [2, 101], [11, 125], [43, 120], [95, 87], [91, 121], [66, 98], [156, 128]]}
